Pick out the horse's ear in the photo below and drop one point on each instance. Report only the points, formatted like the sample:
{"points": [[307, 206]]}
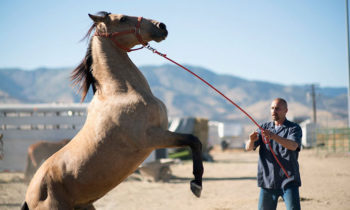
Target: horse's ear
{"points": [[96, 18]]}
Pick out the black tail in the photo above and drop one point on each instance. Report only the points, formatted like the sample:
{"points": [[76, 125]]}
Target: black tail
{"points": [[24, 206]]}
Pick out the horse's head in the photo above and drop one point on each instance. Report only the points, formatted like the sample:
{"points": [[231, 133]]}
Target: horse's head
{"points": [[125, 32], [129, 31]]}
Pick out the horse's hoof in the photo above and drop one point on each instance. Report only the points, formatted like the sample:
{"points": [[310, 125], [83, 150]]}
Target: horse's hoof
{"points": [[196, 189]]}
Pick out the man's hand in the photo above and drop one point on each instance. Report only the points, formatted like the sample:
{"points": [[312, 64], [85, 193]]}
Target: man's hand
{"points": [[268, 134], [253, 137]]}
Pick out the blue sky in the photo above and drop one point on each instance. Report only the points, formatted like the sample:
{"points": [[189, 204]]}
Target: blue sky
{"points": [[288, 42]]}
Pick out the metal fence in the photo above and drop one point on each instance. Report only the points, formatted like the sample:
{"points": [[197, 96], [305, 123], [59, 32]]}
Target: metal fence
{"points": [[333, 140], [24, 124]]}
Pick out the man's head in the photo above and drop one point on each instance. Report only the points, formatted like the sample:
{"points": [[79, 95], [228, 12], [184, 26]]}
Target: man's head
{"points": [[279, 109]]}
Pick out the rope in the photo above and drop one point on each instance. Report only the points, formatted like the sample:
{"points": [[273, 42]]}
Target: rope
{"points": [[136, 31], [265, 140]]}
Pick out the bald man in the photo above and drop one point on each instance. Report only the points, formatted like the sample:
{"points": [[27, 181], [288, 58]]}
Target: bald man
{"points": [[285, 140]]}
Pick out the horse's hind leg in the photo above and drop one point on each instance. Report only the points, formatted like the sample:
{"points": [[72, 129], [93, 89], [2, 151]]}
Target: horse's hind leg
{"points": [[160, 138], [29, 169]]}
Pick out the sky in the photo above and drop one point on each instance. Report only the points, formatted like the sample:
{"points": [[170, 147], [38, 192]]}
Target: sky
{"points": [[287, 42]]}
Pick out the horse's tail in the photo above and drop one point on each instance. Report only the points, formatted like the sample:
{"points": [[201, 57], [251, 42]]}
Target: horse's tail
{"points": [[32, 158], [32, 164], [29, 168], [24, 206]]}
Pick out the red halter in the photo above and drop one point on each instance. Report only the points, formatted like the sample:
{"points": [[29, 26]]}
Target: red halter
{"points": [[135, 31]]}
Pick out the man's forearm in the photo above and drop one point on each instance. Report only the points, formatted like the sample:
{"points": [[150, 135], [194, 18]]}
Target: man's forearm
{"points": [[249, 145], [289, 144]]}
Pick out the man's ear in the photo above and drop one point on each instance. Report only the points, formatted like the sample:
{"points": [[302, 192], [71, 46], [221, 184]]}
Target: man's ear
{"points": [[97, 19]]}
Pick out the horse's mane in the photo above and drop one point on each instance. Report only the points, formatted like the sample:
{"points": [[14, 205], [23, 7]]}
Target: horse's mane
{"points": [[82, 75]]}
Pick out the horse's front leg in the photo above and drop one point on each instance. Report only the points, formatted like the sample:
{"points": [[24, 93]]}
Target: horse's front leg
{"points": [[160, 138]]}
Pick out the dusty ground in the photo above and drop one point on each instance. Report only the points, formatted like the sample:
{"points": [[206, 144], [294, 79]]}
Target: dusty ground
{"points": [[229, 183]]}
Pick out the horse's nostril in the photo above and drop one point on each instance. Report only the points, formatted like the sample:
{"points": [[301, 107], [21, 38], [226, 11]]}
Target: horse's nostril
{"points": [[162, 26]]}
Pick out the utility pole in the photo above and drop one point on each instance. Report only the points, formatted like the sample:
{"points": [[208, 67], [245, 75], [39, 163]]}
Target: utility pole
{"points": [[313, 96], [347, 39]]}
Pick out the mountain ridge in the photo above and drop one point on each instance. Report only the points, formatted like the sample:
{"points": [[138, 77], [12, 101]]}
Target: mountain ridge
{"points": [[183, 94]]}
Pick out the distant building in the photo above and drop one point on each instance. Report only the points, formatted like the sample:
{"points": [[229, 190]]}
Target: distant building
{"points": [[227, 133], [216, 132], [309, 133]]}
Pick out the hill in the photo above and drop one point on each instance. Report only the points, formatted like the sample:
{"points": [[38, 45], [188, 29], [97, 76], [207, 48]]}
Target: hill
{"points": [[184, 95]]}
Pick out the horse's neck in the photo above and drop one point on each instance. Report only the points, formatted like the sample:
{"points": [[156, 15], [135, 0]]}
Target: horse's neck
{"points": [[114, 71]]}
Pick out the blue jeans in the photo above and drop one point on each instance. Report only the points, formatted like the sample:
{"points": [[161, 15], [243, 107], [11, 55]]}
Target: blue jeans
{"points": [[269, 197]]}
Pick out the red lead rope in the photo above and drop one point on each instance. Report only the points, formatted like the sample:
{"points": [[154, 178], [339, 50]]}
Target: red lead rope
{"points": [[136, 31], [265, 140]]}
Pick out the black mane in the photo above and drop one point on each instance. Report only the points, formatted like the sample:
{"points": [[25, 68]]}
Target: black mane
{"points": [[82, 75]]}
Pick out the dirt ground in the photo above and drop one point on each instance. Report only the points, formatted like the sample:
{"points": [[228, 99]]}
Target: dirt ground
{"points": [[229, 183]]}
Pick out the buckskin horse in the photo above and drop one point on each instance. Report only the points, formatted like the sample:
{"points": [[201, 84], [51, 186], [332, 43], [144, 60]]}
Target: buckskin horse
{"points": [[124, 124]]}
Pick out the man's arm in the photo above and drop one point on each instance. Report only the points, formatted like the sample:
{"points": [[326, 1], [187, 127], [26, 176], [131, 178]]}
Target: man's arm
{"points": [[289, 144], [253, 137]]}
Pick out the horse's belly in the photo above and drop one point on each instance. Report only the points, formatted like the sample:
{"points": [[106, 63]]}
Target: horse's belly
{"points": [[158, 114], [101, 174]]}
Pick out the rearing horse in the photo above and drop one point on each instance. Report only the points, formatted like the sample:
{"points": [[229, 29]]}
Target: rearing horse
{"points": [[125, 121]]}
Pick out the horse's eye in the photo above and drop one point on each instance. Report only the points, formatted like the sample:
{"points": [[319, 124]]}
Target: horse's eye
{"points": [[123, 19]]}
